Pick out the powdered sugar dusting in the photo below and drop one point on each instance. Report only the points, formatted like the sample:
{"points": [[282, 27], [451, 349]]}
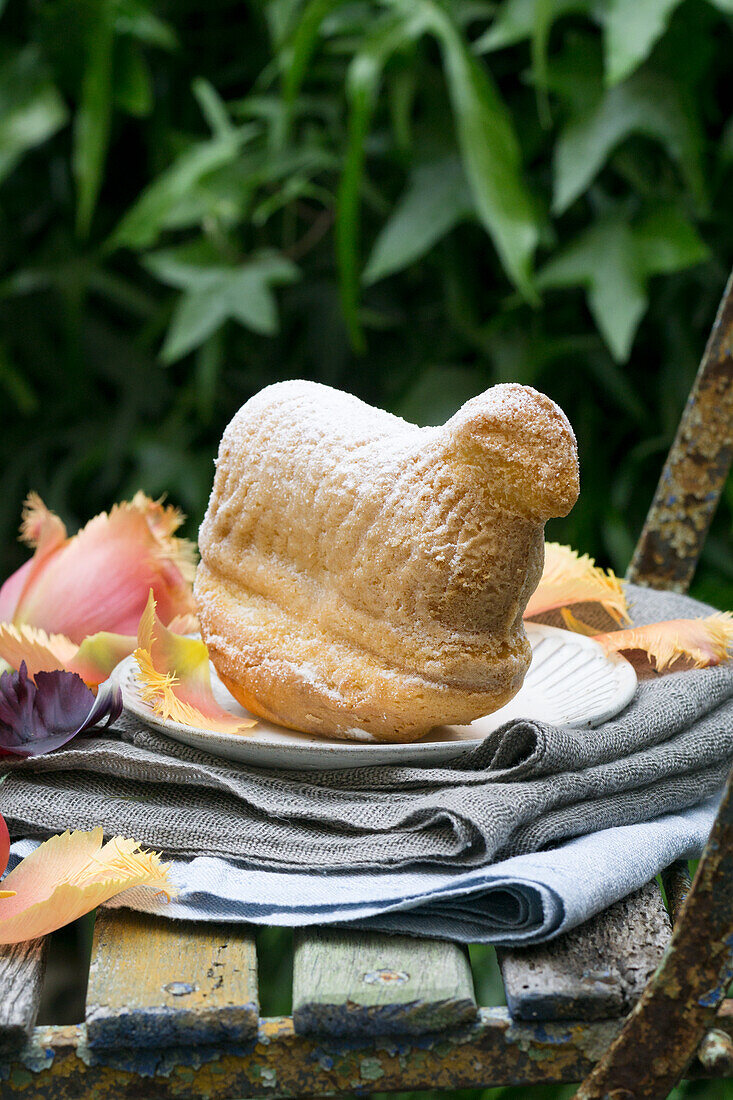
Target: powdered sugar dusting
{"points": [[372, 574]]}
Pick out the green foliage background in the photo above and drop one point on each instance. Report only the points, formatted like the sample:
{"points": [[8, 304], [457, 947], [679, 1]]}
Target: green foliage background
{"points": [[407, 199]]}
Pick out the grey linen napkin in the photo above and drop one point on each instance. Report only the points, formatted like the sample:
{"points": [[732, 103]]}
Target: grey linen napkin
{"points": [[526, 787]]}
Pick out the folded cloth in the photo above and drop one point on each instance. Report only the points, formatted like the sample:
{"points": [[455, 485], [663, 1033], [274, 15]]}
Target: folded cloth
{"points": [[522, 900], [527, 786]]}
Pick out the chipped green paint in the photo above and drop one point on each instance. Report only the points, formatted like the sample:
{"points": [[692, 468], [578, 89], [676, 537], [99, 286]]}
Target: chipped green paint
{"points": [[20, 1078], [594, 1042], [370, 1069], [268, 1077]]}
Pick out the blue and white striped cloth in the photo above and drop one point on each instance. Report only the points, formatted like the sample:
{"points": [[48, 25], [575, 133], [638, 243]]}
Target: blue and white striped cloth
{"points": [[521, 900]]}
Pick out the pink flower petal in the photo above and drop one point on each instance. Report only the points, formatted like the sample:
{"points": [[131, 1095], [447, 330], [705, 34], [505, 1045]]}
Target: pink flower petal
{"points": [[12, 590], [99, 580], [4, 845], [43, 530], [185, 624]]}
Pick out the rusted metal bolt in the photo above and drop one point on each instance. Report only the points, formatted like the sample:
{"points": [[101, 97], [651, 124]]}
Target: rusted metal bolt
{"points": [[715, 1053]]}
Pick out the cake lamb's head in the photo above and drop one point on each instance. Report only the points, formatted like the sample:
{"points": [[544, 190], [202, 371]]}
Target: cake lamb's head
{"points": [[362, 577]]}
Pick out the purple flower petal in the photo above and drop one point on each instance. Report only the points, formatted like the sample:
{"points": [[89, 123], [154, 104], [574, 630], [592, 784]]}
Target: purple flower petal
{"points": [[38, 717], [17, 695], [108, 704]]}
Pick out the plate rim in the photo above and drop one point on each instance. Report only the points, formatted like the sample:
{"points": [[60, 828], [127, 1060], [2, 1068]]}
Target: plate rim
{"points": [[312, 744]]}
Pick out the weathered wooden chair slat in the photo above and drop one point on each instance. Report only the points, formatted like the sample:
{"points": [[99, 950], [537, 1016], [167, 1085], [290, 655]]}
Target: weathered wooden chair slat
{"points": [[596, 971], [349, 983], [160, 983], [22, 967]]}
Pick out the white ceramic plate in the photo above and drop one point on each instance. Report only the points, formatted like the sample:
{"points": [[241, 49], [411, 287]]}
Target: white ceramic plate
{"points": [[571, 681]]}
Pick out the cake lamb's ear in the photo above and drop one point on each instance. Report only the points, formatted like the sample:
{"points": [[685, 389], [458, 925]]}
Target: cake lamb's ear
{"points": [[525, 446]]}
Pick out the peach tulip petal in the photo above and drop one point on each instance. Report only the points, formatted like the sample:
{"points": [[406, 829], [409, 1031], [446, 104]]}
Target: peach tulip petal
{"points": [[701, 641], [40, 651], [41, 528], [569, 578], [93, 660], [174, 678], [68, 876], [577, 625], [46, 533], [164, 519], [185, 624], [99, 579], [99, 654]]}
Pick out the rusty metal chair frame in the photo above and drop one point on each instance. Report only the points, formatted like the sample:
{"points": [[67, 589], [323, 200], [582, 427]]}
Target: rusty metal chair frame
{"points": [[665, 1028], [681, 1012]]}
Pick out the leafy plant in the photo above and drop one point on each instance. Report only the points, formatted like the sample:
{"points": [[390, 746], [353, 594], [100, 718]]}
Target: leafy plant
{"points": [[410, 199]]}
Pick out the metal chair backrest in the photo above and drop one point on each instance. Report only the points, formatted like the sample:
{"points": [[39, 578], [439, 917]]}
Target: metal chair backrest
{"points": [[677, 1008], [696, 469]]}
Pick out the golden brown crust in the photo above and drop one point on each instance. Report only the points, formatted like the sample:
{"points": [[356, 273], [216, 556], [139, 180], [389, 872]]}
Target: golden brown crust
{"points": [[361, 576], [296, 676]]}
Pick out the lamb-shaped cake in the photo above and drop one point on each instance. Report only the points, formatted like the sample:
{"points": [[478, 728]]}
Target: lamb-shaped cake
{"points": [[364, 578]]}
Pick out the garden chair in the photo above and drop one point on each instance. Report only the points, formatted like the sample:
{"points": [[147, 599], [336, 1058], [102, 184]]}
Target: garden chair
{"points": [[630, 1001]]}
